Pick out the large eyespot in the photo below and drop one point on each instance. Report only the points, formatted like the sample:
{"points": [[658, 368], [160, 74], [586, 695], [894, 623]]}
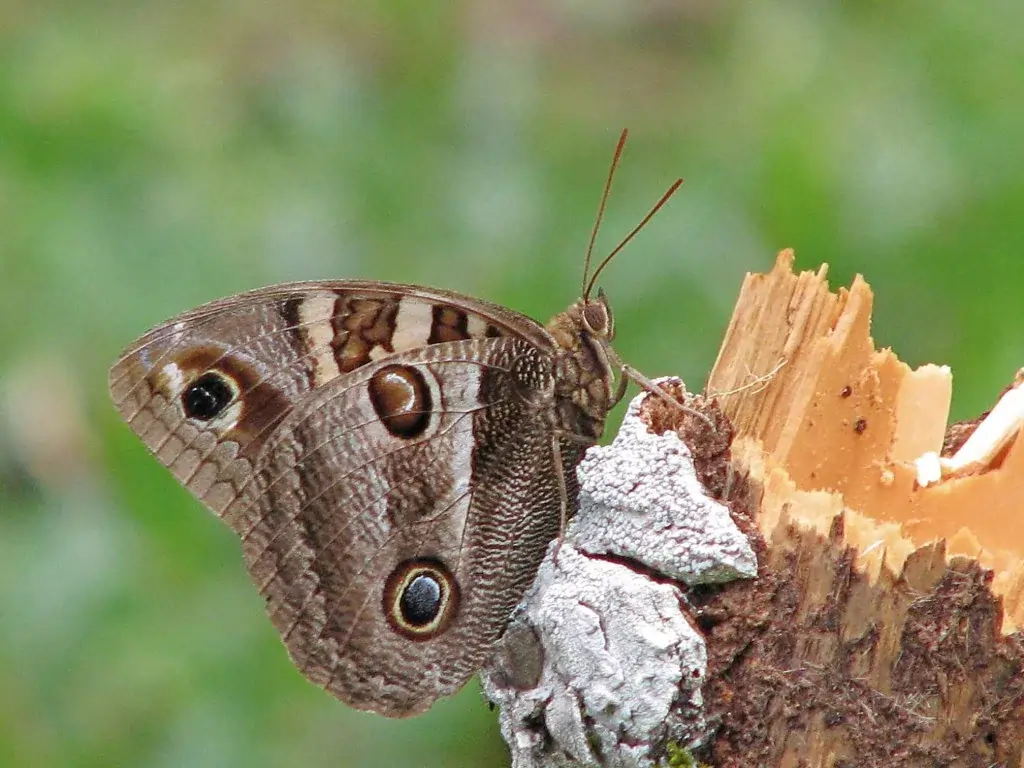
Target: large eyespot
{"points": [[401, 398], [421, 598], [207, 397]]}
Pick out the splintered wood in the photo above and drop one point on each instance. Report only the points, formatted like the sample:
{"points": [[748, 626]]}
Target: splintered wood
{"points": [[884, 626], [840, 426]]}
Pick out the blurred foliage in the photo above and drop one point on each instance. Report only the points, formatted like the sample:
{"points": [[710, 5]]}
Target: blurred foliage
{"points": [[157, 155]]}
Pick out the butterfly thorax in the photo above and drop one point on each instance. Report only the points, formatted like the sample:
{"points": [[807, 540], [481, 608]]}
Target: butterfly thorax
{"points": [[584, 366]]}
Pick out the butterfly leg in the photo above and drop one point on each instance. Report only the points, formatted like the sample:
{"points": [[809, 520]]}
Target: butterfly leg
{"points": [[623, 385], [563, 505], [629, 372]]}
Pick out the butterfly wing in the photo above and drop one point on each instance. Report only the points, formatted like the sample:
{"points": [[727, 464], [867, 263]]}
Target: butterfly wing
{"points": [[384, 455], [392, 550], [267, 350]]}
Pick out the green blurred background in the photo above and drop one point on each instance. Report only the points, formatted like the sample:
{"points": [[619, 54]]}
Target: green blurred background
{"points": [[154, 156]]}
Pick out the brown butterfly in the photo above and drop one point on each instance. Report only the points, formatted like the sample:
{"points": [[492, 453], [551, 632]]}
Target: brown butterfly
{"points": [[395, 459]]}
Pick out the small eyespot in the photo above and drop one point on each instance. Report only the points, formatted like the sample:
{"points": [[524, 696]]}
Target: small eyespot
{"points": [[420, 599], [207, 397]]}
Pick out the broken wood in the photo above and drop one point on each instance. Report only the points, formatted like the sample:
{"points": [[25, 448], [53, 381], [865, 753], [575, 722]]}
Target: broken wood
{"points": [[883, 628]]}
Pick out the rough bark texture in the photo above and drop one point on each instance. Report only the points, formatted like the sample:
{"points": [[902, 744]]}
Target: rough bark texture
{"points": [[881, 629]]}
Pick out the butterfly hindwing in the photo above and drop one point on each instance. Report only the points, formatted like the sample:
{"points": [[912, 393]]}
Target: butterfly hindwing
{"points": [[354, 504]]}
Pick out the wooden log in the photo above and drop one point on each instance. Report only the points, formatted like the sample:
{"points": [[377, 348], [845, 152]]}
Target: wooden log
{"points": [[882, 629]]}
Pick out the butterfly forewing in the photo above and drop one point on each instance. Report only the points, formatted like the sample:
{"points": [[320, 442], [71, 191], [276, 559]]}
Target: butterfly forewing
{"points": [[266, 350]]}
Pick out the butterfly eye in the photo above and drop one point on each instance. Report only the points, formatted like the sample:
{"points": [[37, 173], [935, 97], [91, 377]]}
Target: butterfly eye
{"points": [[420, 599], [207, 397], [596, 318]]}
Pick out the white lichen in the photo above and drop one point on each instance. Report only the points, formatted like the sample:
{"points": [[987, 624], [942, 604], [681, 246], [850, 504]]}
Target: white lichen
{"points": [[601, 664], [640, 498]]}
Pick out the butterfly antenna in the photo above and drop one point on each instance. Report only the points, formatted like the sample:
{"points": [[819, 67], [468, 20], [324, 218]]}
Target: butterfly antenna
{"points": [[650, 214], [600, 212]]}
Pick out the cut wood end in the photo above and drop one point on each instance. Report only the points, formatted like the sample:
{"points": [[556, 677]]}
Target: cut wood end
{"points": [[824, 419]]}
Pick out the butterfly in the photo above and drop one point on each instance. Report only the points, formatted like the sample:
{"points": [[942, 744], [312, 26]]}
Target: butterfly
{"points": [[395, 459]]}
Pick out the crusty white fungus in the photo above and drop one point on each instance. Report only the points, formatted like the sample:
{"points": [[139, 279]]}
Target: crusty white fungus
{"points": [[601, 663]]}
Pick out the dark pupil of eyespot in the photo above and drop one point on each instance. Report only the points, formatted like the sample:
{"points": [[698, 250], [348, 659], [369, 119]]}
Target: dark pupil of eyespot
{"points": [[421, 600], [206, 397]]}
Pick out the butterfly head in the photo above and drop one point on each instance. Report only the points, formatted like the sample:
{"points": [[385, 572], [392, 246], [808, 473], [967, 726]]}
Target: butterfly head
{"points": [[588, 322]]}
